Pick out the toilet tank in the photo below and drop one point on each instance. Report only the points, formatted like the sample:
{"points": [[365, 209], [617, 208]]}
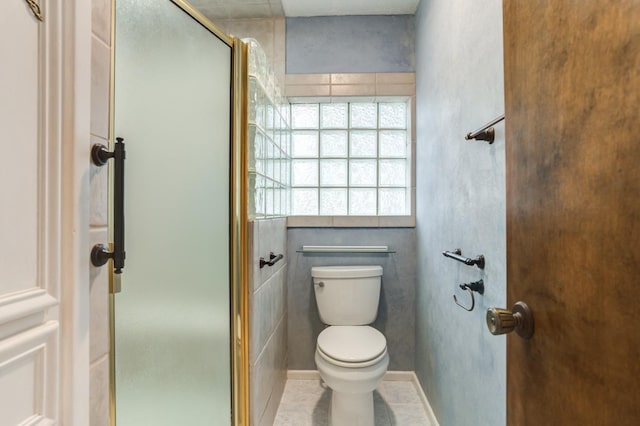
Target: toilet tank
{"points": [[347, 295]]}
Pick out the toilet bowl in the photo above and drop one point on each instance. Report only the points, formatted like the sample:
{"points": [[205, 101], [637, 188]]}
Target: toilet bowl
{"points": [[351, 356], [352, 361]]}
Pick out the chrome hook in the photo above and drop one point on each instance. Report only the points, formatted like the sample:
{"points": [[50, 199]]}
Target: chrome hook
{"points": [[471, 287], [473, 301]]}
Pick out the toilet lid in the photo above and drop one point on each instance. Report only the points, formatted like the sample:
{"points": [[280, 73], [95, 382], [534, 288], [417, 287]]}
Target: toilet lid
{"points": [[352, 343]]}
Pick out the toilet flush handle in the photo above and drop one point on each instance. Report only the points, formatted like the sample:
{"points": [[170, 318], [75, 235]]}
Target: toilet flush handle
{"points": [[320, 284]]}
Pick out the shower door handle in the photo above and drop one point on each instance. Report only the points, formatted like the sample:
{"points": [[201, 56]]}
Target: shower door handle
{"points": [[100, 254]]}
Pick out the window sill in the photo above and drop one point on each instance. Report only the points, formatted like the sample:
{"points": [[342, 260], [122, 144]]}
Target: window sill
{"points": [[351, 221]]}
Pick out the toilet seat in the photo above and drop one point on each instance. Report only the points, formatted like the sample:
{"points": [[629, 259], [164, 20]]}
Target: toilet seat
{"points": [[351, 346]]}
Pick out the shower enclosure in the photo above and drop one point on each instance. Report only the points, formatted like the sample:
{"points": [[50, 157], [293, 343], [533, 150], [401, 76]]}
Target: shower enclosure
{"points": [[178, 310]]}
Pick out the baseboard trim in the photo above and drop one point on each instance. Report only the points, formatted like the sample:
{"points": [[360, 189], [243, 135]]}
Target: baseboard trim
{"points": [[425, 402], [397, 376]]}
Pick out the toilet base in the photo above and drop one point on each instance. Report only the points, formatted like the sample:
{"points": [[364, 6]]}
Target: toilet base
{"points": [[351, 409]]}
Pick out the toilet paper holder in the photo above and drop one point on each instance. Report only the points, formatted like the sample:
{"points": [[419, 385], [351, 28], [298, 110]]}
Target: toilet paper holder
{"points": [[477, 286], [272, 260], [457, 255]]}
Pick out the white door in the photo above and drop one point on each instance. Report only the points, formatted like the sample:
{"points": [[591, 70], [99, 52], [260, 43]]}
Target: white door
{"points": [[39, 247]]}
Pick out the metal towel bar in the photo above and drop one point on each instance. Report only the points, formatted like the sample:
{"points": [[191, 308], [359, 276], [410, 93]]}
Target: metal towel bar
{"points": [[486, 132]]}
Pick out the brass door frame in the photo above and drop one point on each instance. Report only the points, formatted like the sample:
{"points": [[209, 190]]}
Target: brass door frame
{"points": [[239, 307]]}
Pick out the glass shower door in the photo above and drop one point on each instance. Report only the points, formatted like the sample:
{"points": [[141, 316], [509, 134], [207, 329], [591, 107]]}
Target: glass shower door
{"points": [[172, 321]]}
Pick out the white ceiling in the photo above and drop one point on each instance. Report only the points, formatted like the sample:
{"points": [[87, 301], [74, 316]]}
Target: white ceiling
{"points": [[349, 7], [237, 9]]}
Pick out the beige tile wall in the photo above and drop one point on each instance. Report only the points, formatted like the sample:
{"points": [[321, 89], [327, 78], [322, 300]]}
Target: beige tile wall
{"points": [[347, 85], [99, 279], [269, 32]]}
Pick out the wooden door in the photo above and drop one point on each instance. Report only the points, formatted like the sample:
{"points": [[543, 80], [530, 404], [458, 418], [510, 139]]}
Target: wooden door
{"points": [[572, 84], [44, 163]]}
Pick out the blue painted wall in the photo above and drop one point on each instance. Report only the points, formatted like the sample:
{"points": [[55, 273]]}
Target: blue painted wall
{"points": [[350, 44], [460, 204], [396, 313]]}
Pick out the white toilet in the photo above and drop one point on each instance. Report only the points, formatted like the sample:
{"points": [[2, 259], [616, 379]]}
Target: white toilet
{"points": [[351, 356]]}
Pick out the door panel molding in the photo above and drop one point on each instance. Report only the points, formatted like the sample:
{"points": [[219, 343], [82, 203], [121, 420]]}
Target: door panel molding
{"points": [[21, 311], [26, 361]]}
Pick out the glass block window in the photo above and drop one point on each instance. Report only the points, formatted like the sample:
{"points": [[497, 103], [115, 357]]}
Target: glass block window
{"points": [[269, 141], [350, 159]]}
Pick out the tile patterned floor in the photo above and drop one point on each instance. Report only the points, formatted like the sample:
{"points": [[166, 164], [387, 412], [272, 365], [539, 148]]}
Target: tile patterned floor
{"points": [[306, 403]]}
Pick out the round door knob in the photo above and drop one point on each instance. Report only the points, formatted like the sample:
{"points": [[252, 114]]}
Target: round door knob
{"points": [[502, 321]]}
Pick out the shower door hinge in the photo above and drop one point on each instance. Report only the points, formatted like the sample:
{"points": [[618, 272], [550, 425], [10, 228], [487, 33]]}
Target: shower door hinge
{"points": [[115, 281]]}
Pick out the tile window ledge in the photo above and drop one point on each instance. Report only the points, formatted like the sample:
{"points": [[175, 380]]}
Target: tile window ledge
{"points": [[329, 86], [351, 221]]}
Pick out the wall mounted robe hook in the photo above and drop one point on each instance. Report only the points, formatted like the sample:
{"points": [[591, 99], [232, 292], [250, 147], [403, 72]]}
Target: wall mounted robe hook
{"points": [[471, 287]]}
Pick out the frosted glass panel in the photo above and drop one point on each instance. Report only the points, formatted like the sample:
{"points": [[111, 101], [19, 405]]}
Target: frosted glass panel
{"points": [[333, 202], [393, 172], [362, 202], [269, 117], [261, 109], [364, 115], [333, 173], [253, 100], [252, 148], [276, 166], [305, 144], [305, 172], [268, 162], [172, 97], [362, 173], [393, 115], [333, 116], [304, 116], [392, 201], [269, 197], [393, 143], [305, 201], [363, 143], [276, 201], [259, 196], [286, 173], [272, 162], [333, 143], [259, 150]]}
